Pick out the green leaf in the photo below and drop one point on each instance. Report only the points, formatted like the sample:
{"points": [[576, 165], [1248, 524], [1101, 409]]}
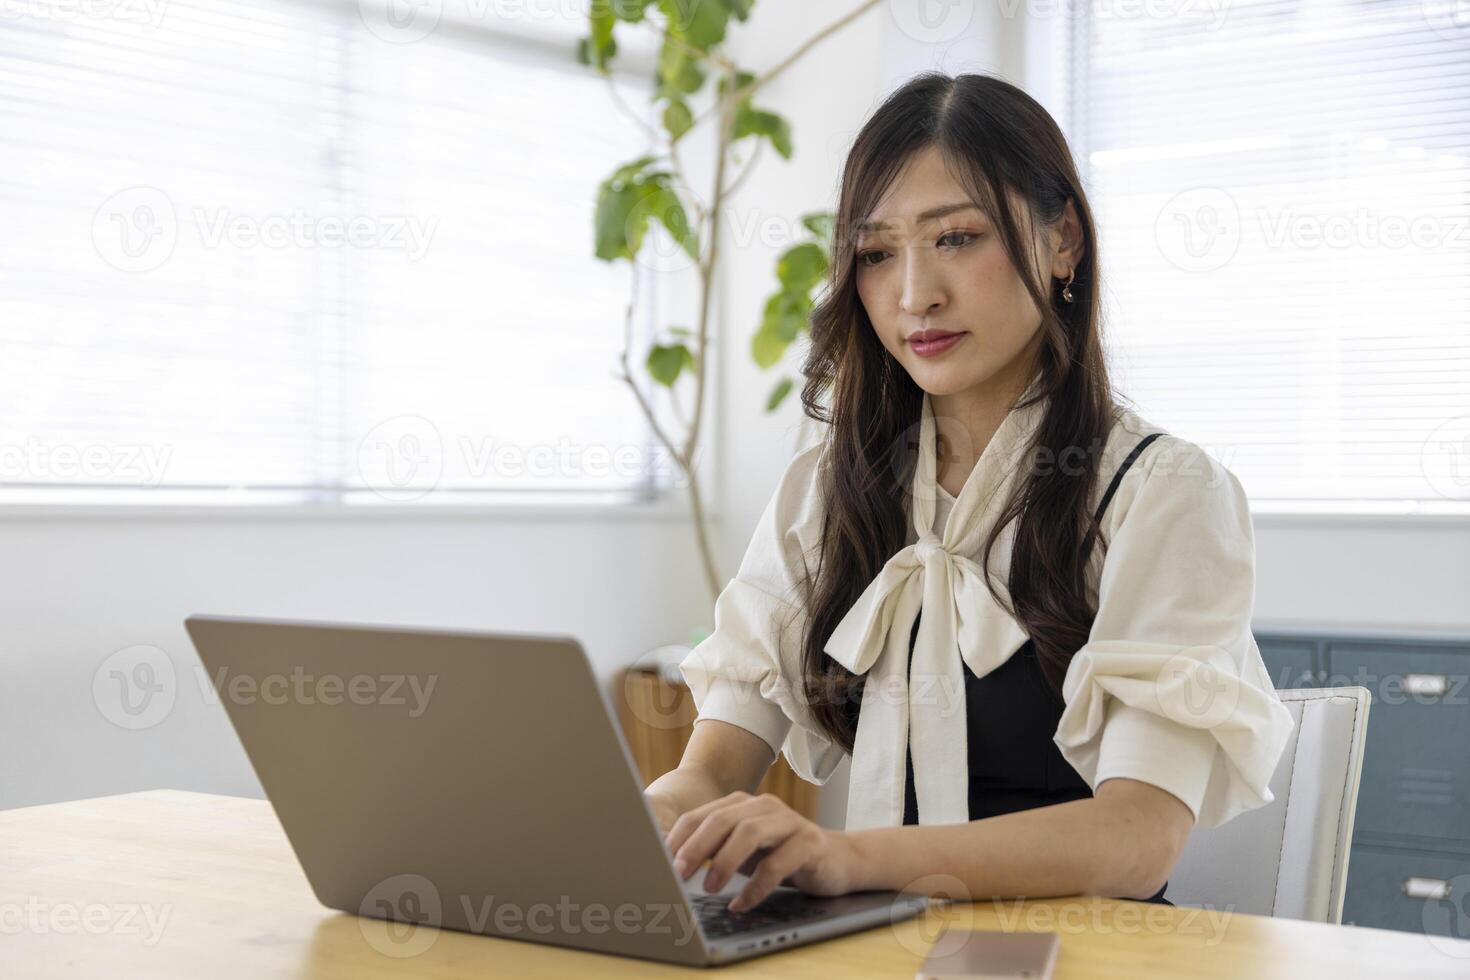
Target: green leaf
{"points": [[615, 234], [791, 312], [821, 224], [628, 11], [778, 394], [626, 202], [742, 79], [665, 205], [666, 361], [629, 171], [677, 118], [766, 346], [788, 310], [750, 121], [802, 267], [786, 315], [680, 331], [599, 48], [700, 22], [740, 8], [679, 72], [604, 53]]}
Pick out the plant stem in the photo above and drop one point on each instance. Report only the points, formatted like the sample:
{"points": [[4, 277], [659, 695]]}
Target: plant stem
{"points": [[755, 156], [707, 269], [684, 459], [811, 42], [749, 88], [627, 375], [617, 97]]}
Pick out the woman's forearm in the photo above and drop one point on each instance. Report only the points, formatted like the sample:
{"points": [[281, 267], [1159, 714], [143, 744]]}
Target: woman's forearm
{"points": [[684, 788], [720, 759], [1088, 846]]}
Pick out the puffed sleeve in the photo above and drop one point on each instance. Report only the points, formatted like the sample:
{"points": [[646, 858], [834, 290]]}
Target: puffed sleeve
{"points": [[748, 670], [1170, 688]]}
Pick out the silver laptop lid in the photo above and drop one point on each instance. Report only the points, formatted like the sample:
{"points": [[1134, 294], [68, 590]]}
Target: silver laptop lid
{"points": [[465, 780]]}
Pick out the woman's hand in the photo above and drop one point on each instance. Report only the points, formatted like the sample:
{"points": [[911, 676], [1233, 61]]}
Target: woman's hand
{"points": [[762, 837]]}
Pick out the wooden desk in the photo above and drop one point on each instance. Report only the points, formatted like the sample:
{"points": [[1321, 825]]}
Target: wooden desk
{"points": [[167, 884]]}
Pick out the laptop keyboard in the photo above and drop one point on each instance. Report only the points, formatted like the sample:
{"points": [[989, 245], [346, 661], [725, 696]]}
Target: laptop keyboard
{"points": [[777, 909]]}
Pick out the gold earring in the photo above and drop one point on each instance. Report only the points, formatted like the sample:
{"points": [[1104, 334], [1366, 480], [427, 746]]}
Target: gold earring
{"points": [[1067, 289]]}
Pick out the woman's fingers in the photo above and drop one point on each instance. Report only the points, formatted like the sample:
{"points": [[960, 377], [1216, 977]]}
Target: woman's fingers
{"points": [[748, 868], [743, 841], [689, 820], [758, 836], [784, 860], [698, 834]]}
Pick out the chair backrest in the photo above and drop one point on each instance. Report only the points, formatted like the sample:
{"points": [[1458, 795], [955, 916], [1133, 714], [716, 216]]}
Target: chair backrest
{"points": [[1288, 858]]}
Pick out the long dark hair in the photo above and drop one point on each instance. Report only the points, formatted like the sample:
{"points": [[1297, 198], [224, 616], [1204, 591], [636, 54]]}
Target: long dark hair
{"points": [[994, 138]]}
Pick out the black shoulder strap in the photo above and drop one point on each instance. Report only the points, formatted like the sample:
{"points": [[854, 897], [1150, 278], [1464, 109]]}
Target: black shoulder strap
{"points": [[1117, 479], [1118, 476]]}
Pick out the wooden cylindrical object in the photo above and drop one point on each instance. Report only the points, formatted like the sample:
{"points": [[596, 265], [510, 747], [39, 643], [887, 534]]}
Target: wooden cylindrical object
{"points": [[657, 718]]}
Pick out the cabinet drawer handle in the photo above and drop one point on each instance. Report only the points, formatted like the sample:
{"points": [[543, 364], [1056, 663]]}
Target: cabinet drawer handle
{"points": [[1429, 685], [1416, 887]]}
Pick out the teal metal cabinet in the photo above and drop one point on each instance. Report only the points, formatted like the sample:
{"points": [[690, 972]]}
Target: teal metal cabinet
{"points": [[1410, 863], [1409, 890], [1292, 663]]}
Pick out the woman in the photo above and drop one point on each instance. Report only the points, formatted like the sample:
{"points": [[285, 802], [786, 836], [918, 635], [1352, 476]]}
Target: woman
{"points": [[1023, 610]]}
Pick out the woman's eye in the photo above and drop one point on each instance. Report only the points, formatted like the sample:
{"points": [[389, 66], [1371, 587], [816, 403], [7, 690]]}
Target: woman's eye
{"points": [[957, 239]]}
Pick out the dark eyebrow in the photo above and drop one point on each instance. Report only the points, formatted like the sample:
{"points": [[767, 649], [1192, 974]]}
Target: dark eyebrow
{"points": [[927, 216]]}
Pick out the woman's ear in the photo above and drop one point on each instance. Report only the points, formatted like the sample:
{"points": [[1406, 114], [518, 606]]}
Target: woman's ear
{"points": [[1066, 240]]}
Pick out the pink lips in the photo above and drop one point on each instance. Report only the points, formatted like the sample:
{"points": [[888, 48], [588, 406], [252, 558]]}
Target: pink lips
{"points": [[938, 345]]}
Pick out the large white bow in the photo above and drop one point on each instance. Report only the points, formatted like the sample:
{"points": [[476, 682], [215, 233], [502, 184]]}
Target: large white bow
{"points": [[922, 702]]}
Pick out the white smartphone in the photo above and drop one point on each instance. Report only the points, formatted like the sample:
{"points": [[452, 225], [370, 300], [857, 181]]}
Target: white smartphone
{"points": [[985, 954]]}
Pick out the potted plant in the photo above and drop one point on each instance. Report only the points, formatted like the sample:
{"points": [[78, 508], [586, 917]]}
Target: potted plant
{"points": [[655, 708], [656, 188]]}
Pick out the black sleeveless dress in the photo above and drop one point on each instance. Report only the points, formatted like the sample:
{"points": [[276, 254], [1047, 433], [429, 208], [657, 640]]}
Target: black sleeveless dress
{"points": [[1012, 715]]}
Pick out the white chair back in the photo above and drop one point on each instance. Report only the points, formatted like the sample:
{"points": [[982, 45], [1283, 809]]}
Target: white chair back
{"points": [[1288, 858]]}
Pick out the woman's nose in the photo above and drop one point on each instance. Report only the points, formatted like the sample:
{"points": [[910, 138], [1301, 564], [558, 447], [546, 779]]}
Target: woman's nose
{"points": [[922, 289]]}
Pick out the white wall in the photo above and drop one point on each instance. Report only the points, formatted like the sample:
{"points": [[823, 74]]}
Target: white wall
{"points": [[1366, 574], [75, 591]]}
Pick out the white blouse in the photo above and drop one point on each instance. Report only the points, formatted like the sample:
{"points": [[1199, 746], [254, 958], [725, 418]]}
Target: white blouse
{"points": [[1170, 688]]}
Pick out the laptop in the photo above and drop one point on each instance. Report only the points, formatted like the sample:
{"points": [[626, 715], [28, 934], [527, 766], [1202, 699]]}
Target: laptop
{"points": [[478, 782]]}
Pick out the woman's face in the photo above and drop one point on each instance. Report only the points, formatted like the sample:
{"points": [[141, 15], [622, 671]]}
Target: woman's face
{"points": [[949, 272]]}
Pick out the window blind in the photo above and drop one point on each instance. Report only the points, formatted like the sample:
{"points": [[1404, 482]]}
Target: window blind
{"points": [[264, 252], [1282, 189]]}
